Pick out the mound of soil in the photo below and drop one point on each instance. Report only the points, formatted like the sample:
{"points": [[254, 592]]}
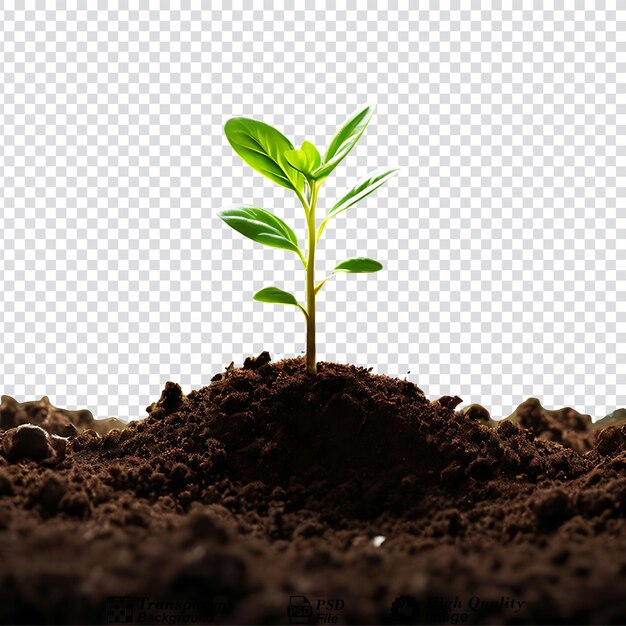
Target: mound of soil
{"points": [[273, 496]]}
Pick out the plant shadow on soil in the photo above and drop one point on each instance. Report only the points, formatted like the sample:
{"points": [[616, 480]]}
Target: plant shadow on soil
{"points": [[272, 496]]}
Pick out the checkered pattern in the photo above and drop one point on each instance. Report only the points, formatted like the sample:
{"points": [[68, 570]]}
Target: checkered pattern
{"points": [[119, 610], [504, 277]]}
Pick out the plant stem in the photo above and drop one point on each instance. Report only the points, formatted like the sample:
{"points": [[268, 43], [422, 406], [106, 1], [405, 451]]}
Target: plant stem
{"points": [[311, 363]]}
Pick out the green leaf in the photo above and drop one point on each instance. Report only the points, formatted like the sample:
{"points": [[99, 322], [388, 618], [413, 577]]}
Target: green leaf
{"points": [[362, 189], [358, 265], [344, 140], [305, 160], [263, 148], [262, 227], [274, 295]]}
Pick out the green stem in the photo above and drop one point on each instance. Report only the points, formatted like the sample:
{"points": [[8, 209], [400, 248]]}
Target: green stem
{"points": [[303, 202], [311, 363]]}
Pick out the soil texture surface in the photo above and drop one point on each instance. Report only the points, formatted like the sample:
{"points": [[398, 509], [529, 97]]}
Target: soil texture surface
{"points": [[273, 496]]}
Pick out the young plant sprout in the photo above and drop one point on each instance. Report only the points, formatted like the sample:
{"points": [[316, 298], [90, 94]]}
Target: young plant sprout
{"points": [[302, 171]]}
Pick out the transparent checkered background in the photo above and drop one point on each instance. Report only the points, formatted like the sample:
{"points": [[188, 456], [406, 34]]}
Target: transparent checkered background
{"points": [[504, 277]]}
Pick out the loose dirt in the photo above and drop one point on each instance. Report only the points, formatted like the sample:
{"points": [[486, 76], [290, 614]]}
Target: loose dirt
{"points": [[271, 496]]}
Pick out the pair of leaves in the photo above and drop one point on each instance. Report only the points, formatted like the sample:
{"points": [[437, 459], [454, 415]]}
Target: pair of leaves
{"points": [[270, 153], [263, 227], [357, 265]]}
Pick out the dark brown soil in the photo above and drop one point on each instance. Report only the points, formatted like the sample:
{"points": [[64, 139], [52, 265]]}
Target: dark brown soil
{"points": [[272, 495]]}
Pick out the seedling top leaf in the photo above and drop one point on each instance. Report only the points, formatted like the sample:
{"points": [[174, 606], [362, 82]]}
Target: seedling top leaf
{"points": [[303, 171], [305, 160]]}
